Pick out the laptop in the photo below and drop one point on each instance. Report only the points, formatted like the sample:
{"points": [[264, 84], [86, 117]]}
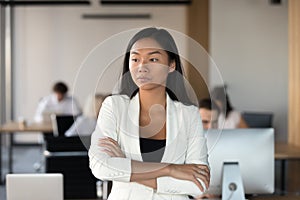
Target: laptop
{"points": [[61, 123], [34, 186]]}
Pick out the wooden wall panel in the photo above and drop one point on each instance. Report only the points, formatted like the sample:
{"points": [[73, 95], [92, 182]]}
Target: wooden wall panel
{"points": [[294, 72], [198, 29]]}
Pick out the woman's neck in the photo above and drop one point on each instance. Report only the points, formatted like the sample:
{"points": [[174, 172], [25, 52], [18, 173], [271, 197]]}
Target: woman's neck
{"points": [[151, 97]]}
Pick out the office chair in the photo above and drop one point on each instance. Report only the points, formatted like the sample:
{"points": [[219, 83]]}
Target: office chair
{"points": [[258, 119], [60, 124], [68, 155]]}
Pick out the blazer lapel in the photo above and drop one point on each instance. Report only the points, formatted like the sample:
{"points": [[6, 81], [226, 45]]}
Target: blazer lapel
{"points": [[171, 131], [133, 128]]}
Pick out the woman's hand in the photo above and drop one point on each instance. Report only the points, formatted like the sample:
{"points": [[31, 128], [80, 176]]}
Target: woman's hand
{"points": [[111, 147], [191, 172]]}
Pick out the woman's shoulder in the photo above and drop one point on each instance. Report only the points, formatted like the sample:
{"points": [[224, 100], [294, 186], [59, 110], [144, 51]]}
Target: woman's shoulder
{"points": [[116, 99], [186, 107]]}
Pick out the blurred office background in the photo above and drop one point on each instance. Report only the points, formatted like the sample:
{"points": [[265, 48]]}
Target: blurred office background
{"points": [[247, 40]]}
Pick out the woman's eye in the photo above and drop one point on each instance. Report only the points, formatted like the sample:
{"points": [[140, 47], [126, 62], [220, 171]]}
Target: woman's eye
{"points": [[154, 59], [134, 59]]}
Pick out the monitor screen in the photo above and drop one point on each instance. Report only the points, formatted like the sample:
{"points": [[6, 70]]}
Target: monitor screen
{"points": [[252, 149], [258, 120]]}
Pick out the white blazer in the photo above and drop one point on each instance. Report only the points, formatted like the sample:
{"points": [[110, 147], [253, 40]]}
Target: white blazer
{"points": [[185, 143]]}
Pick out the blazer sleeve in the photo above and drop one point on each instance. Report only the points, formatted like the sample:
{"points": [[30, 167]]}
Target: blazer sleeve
{"points": [[196, 154], [102, 165]]}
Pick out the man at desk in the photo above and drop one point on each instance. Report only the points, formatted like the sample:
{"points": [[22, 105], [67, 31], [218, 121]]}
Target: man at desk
{"points": [[209, 112], [57, 103]]}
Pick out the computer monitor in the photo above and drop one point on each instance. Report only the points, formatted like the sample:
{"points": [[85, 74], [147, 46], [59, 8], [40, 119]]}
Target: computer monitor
{"points": [[34, 186], [258, 119], [245, 152]]}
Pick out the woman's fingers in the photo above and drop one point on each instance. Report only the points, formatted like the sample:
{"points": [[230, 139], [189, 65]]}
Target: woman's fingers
{"points": [[112, 140], [110, 153], [112, 146], [193, 172], [203, 178], [108, 142], [203, 167], [109, 147], [196, 181], [202, 172]]}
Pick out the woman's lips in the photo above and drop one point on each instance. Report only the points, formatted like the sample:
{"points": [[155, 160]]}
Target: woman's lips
{"points": [[143, 79]]}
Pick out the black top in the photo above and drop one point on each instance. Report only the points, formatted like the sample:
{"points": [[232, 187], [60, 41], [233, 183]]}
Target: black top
{"points": [[152, 150]]}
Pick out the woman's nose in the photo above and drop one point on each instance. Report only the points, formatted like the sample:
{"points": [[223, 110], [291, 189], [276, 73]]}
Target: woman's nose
{"points": [[143, 67]]}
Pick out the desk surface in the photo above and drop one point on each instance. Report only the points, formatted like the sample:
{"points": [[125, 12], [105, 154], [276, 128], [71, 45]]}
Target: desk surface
{"points": [[275, 198], [286, 151], [11, 127]]}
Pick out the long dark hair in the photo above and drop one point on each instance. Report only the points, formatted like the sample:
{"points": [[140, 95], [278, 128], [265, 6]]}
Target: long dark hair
{"points": [[175, 83], [220, 94]]}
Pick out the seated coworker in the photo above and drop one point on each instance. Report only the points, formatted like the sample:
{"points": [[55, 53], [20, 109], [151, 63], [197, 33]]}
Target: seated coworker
{"points": [[85, 124], [209, 112], [57, 103], [149, 138], [229, 118]]}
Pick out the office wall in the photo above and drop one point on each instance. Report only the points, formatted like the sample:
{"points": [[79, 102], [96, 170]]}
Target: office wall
{"points": [[52, 42], [249, 43]]}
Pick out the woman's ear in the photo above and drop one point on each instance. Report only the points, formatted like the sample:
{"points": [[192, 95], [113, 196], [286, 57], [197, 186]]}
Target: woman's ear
{"points": [[172, 66]]}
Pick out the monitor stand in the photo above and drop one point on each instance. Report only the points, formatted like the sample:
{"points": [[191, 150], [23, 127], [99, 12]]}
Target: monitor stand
{"points": [[232, 185]]}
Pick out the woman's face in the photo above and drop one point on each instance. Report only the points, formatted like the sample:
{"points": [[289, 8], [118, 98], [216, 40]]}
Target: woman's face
{"points": [[149, 64]]}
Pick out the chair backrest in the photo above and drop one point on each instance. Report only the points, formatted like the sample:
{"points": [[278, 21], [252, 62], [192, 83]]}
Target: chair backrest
{"points": [[34, 186], [258, 119], [69, 156], [67, 144], [61, 123]]}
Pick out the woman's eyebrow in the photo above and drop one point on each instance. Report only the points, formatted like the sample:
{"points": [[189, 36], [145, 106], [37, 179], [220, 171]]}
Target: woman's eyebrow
{"points": [[154, 52], [150, 53], [134, 52]]}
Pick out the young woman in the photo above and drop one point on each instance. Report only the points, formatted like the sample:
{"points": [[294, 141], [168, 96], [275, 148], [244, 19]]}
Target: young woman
{"points": [[149, 139], [229, 118]]}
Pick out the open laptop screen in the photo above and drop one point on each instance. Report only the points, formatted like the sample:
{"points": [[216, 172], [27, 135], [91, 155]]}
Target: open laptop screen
{"points": [[34, 186]]}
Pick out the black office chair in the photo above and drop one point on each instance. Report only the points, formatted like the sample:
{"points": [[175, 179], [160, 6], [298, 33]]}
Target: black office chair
{"points": [[60, 124], [258, 119], [68, 155]]}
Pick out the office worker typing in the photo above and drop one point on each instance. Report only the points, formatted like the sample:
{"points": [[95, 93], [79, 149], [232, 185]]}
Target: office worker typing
{"points": [[149, 138], [57, 103]]}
